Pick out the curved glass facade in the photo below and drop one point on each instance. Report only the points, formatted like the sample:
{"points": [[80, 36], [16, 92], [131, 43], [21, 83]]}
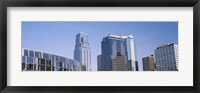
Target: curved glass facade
{"points": [[40, 61]]}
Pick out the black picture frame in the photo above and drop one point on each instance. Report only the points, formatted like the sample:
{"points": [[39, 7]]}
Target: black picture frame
{"points": [[99, 3]]}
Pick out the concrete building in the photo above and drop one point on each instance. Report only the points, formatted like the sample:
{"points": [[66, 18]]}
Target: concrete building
{"points": [[149, 63]]}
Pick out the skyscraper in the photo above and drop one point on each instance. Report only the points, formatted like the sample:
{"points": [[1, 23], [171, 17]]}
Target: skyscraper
{"points": [[82, 52], [148, 63], [112, 46], [166, 57]]}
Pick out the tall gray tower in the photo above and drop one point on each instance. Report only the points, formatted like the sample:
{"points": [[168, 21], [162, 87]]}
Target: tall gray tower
{"points": [[167, 57], [82, 52]]}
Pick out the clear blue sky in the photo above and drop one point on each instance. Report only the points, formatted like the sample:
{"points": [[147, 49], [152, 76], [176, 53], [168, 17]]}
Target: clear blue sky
{"points": [[59, 37]]}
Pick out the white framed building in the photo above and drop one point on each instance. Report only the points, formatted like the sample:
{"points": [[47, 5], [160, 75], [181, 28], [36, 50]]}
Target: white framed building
{"points": [[166, 57]]}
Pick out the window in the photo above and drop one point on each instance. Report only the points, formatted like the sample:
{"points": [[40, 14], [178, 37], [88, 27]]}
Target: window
{"points": [[23, 59], [48, 68], [48, 62], [38, 54], [57, 58], [57, 65], [53, 57], [29, 60], [45, 56], [61, 64], [41, 67], [41, 61], [30, 67], [31, 53], [25, 52]]}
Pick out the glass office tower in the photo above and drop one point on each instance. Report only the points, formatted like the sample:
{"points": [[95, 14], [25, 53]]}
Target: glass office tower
{"points": [[114, 47], [82, 52], [167, 57]]}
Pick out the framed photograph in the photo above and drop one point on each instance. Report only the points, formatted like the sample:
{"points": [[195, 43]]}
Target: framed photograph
{"points": [[103, 46]]}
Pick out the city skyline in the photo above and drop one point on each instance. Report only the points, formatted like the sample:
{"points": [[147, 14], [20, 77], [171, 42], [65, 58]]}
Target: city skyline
{"points": [[60, 36]]}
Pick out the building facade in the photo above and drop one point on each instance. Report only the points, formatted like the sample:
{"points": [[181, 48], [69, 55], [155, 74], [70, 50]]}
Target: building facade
{"points": [[167, 57], [119, 63], [136, 64], [111, 46], [99, 63], [149, 63], [82, 52], [41, 61]]}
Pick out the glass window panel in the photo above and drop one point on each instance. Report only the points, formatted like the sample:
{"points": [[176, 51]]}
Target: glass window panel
{"points": [[45, 56], [38, 54], [53, 57], [25, 52], [61, 64], [52, 63], [57, 64], [48, 62], [64, 65], [31, 53], [23, 59], [62, 59], [57, 58], [39, 61], [29, 67], [48, 68], [29, 60], [42, 61]]}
